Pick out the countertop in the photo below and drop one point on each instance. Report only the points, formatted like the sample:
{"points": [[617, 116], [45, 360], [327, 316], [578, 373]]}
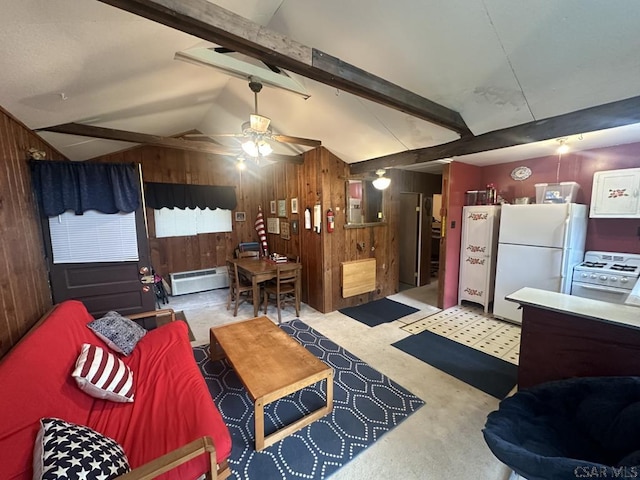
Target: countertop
{"points": [[623, 315]]}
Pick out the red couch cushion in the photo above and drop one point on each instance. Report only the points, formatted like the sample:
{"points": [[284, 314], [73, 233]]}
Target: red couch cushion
{"points": [[172, 407], [36, 382]]}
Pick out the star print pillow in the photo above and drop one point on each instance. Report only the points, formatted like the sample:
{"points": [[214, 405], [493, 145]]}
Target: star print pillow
{"points": [[65, 451]]}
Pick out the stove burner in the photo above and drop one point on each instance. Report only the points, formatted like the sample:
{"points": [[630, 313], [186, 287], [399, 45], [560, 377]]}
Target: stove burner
{"points": [[623, 268], [594, 264]]}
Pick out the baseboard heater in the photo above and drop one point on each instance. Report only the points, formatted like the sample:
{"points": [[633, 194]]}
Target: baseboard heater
{"points": [[199, 280]]}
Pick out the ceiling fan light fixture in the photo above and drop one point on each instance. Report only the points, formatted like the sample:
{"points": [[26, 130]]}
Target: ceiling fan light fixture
{"points": [[257, 148], [381, 182], [250, 148], [264, 148], [259, 123]]}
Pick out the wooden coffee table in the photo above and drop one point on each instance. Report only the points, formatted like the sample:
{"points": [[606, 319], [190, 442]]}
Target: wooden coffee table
{"points": [[271, 365]]}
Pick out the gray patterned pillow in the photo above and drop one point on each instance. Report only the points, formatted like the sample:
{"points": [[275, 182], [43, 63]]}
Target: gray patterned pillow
{"points": [[65, 451], [120, 333]]}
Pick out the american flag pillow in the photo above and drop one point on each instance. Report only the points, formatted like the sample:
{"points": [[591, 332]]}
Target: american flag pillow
{"points": [[103, 375]]}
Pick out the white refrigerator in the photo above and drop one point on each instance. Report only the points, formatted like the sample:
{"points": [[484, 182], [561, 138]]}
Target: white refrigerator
{"points": [[538, 246]]}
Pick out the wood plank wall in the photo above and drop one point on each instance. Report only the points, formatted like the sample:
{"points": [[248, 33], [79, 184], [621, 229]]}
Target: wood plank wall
{"points": [[24, 287], [165, 165]]}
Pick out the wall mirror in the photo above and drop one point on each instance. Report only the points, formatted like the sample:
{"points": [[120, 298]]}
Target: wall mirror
{"points": [[364, 203]]}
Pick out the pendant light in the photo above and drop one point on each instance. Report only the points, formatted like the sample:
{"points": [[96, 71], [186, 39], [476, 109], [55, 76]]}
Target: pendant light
{"points": [[381, 182]]}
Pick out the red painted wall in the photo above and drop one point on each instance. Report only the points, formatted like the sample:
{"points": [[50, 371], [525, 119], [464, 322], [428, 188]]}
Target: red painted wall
{"points": [[613, 234], [462, 177]]}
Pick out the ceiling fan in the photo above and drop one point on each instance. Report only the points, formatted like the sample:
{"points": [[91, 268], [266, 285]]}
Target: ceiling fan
{"points": [[256, 133]]}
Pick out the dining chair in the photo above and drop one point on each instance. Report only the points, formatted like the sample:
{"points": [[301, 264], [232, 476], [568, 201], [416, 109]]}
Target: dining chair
{"points": [[239, 289], [249, 254], [285, 288]]}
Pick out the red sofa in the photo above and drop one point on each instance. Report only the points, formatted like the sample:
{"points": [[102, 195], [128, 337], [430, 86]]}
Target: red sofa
{"points": [[172, 419]]}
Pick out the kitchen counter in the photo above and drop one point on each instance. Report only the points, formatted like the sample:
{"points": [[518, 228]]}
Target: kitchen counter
{"points": [[577, 306], [565, 336]]}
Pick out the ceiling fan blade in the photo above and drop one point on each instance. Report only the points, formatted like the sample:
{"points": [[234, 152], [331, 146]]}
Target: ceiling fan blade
{"points": [[297, 140], [202, 135]]}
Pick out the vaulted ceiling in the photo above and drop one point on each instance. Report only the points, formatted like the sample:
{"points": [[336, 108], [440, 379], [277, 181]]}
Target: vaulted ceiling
{"points": [[512, 72]]}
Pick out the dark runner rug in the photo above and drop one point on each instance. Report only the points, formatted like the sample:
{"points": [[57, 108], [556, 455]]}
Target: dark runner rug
{"points": [[367, 404], [490, 374], [378, 312]]}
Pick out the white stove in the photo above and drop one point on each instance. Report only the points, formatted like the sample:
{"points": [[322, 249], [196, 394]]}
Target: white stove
{"points": [[606, 276]]}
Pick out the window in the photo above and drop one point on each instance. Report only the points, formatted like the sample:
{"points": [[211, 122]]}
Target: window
{"points": [[179, 223], [94, 237]]}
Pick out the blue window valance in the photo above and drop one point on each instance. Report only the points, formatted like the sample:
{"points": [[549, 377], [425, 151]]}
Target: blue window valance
{"points": [[82, 186], [175, 195]]}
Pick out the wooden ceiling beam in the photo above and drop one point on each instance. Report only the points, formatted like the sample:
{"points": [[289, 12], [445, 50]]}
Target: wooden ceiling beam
{"points": [[601, 117], [223, 27], [158, 141]]}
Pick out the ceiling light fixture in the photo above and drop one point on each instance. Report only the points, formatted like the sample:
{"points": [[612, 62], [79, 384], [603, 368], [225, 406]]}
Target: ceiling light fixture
{"points": [[563, 147], [240, 164], [257, 148], [381, 182]]}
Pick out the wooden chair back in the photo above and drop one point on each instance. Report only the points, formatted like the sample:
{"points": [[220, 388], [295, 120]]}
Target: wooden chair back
{"points": [[249, 254], [286, 287], [239, 290]]}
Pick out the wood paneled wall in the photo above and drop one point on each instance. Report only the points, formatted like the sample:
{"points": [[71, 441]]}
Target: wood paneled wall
{"points": [[320, 180], [178, 254], [24, 288]]}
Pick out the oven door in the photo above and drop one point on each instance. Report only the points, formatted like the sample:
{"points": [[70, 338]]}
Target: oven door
{"points": [[599, 292]]}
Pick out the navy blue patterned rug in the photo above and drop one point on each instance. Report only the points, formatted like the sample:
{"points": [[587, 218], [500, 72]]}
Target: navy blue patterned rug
{"points": [[367, 404], [378, 312]]}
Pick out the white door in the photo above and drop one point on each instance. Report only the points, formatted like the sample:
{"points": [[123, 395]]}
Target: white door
{"points": [[524, 266], [542, 225]]}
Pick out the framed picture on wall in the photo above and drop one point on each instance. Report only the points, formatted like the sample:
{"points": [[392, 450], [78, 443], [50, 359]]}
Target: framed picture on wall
{"points": [[272, 206], [294, 205], [282, 208], [294, 227], [241, 217], [273, 225], [284, 230]]}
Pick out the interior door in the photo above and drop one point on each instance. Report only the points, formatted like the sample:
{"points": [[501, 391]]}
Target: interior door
{"points": [[410, 238], [107, 285]]}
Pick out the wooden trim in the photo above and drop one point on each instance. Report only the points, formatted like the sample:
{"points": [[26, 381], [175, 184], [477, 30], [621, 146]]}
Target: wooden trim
{"points": [[154, 313], [601, 117], [223, 27], [177, 457], [158, 141]]}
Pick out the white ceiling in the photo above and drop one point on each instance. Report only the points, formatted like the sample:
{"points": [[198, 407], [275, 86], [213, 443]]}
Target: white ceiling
{"points": [[498, 62]]}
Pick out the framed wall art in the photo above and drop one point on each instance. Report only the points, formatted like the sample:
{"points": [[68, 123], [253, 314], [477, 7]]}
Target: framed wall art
{"points": [[272, 206], [294, 227], [282, 208], [273, 225], [241, 217], [294, 205], [284, 230]]}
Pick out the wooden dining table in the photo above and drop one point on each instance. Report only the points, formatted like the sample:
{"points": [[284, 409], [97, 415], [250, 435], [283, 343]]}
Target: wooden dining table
{"points": [[258, 270]]}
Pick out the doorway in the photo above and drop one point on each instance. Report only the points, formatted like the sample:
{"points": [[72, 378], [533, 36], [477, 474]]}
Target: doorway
{"points": [[415, 241]]}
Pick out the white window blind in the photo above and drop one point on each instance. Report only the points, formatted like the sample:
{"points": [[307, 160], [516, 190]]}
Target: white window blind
{"points": [[94, 237], [180, 223]]}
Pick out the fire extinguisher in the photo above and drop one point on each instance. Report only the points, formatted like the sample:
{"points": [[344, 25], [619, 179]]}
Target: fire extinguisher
{"points": [[330, 220]]}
